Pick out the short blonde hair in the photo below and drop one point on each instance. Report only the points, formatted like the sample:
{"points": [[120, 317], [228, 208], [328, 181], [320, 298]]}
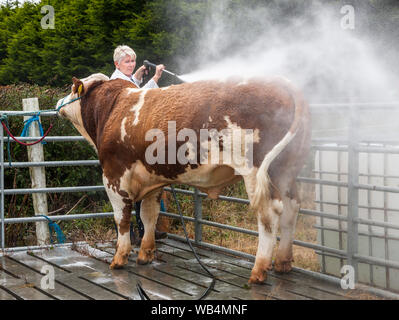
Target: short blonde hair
{"points": [[122, 51]]}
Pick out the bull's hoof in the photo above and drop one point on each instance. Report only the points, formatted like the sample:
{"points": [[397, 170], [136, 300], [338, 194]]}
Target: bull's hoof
{"points": [[145, 256], [282, 266], [259, 275], [118, 263], [258, 278]]}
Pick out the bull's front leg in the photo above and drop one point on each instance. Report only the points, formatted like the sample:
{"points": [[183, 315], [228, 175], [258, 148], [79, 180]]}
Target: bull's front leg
{"points": [[122, 206], [149, 215]]}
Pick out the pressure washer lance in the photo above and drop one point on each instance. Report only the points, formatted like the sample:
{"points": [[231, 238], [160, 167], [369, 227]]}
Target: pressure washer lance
{"points": [[153, 65]]}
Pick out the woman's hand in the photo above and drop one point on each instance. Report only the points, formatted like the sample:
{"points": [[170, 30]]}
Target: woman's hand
{"points": [[158, 72], [140, 72]]}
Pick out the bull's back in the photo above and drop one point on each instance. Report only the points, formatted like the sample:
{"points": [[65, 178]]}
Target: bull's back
{"points": [[263, 106]]}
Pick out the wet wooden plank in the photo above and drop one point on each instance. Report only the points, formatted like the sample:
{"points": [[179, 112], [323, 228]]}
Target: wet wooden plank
{"points": [[34, 278], [157, 284], [65, 263], [184, 279], [223, 289], [151, 272], [178, 256], [321, 289], [4, 295], [18, 287], [273, 287], [273, 290], [174, 274]]}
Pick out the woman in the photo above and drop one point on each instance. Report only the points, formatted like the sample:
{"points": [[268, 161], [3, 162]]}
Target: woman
{"points": [[125, 63]]}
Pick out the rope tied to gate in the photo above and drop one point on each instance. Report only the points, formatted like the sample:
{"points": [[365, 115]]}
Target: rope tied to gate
{"points": [[54, 227], [6, 126], [25, 130], [34, 117], [4, 122]]}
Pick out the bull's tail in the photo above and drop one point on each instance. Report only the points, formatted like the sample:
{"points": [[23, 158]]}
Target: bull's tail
{"points": [[262, 191]]}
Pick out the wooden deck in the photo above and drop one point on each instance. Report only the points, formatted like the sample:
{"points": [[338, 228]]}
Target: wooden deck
{"points": [[82, 272]]}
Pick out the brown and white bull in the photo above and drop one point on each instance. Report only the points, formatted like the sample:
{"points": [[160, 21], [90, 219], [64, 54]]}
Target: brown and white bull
{"points": [[115, 116]]}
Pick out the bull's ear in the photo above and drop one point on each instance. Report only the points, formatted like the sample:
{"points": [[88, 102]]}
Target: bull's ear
{"points": [[77, 86]]}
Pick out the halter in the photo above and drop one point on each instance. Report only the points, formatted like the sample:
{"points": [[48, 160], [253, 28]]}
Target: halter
{"points": [[70, 101]]}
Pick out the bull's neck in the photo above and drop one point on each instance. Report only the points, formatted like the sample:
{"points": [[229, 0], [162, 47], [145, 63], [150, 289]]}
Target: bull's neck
{"points": [[95, 113]]}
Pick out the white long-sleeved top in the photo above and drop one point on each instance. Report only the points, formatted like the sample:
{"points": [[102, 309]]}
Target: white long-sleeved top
{"points": [[120, 75]]}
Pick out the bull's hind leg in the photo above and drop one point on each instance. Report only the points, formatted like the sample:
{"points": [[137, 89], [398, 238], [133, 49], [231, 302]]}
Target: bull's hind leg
{"points": [[288, 219], [122, 206], [149, 215], [268, 220]]}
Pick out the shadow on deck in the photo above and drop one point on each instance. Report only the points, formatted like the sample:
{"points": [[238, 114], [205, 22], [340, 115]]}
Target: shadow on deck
{"points": [[82, 272]]}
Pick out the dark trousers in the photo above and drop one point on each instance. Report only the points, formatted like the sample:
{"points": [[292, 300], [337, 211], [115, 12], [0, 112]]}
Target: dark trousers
{"points": [[140, 225], [137, 207]]}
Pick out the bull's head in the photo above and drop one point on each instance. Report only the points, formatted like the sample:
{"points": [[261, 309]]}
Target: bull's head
{"points": [[70, 106]]}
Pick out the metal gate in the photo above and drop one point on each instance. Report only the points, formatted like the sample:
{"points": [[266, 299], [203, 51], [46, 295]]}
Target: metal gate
{"points": [[340, 242]]}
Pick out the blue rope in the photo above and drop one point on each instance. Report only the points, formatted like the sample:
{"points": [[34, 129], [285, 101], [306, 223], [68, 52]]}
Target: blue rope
{"points": [[25, 130], [54, 227]]}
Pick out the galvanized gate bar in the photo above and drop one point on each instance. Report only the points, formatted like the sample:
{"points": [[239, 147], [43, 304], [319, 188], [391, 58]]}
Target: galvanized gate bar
{"points": [[197, 216], [50, 139], [61, 218], [52, 164], [353, 191], [2, 187]]}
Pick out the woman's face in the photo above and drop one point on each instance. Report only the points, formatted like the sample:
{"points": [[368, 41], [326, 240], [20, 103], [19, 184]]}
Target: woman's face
{"points": [[127, 65]]}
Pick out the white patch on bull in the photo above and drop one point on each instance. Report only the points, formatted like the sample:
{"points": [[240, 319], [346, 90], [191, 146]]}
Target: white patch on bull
{"points": [[238, 146], [137, 107], [267, 240], [118, 205], [165, 88], [133, 90], [93, 78], [256, 136], [210, 119], [123, 129]]}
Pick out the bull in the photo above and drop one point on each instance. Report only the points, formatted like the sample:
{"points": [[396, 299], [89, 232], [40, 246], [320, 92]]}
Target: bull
{"points": [[127, 126]]}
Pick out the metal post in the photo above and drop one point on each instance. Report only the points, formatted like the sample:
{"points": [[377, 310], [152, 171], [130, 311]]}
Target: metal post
{"points": [[2, 186], [353, 191], [197, 216], [322, 232]]}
